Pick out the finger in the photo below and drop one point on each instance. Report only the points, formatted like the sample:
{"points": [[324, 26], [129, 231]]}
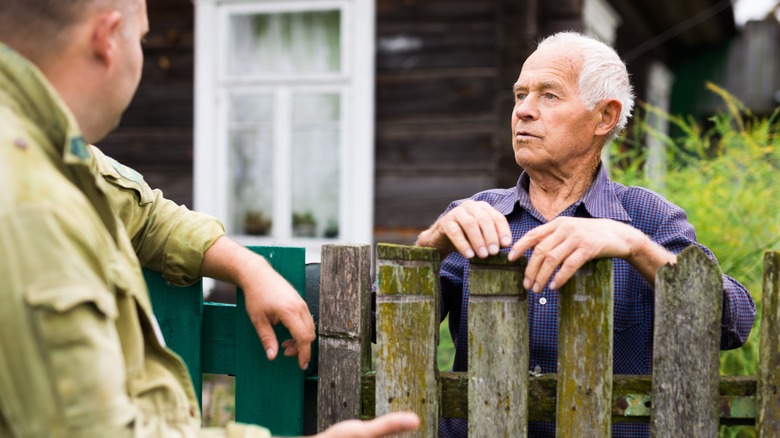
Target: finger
{"points": [[503, 230], [552, 260], [528, 241], [396, 422], [290, 348], [301, 327], [454, 231], [572, 264], [545, 258], [267, 336], [486, 230]]}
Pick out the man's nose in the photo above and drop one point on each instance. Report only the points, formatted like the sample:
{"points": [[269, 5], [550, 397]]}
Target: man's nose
{"points": [[526, 109]]}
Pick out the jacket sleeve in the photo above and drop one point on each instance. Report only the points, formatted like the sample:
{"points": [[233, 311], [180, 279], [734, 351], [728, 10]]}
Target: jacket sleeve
{"points": [[167, 237]]}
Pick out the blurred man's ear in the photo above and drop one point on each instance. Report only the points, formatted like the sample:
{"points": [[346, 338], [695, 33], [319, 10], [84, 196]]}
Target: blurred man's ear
{"points": [[104, 35], [609, 112]]}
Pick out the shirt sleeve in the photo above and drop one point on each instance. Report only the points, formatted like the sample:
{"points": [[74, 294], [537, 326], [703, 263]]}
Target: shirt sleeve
{"points": [[739, 309], [167, 237]]}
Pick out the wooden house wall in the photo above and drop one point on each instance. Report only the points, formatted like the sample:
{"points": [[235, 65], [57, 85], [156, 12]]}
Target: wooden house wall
{"points": [[155, 136], [443, 101]]}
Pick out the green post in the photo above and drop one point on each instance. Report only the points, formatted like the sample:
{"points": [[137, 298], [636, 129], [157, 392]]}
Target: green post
{"points": [[270, 393]]}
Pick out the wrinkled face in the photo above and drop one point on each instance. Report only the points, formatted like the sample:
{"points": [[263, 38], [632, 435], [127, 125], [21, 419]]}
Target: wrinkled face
{"points": [[552, 129]]}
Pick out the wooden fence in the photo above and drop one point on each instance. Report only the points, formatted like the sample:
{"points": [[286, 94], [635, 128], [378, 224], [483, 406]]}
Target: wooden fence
{"points": [[497, 395]]}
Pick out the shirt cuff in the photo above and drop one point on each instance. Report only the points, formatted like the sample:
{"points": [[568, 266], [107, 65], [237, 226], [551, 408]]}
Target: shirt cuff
{"points": [[193, 234]]}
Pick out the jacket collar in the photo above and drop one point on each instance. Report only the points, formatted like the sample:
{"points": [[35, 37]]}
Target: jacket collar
{"points": [[24, 88]]}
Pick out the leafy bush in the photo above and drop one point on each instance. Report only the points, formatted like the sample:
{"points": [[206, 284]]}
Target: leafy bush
{"points": [[723, 176]]}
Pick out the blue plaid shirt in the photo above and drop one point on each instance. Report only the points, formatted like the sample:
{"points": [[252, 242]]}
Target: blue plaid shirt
{"points": [[664, 222]]}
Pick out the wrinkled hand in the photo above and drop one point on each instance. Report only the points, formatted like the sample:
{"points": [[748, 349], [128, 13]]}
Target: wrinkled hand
{"points": [[383, 426], [270, 299], [472, 228], [569, 243]]}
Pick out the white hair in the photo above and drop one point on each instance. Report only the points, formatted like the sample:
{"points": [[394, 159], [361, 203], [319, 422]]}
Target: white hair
{"points": [[603, 75]]}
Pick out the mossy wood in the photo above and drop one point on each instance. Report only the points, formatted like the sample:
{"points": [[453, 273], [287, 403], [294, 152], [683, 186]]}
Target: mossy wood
{"points": [[585, 305], [631, 398], [344, 336], [686, 344], [407, 319], [498, 348], [768, 416]]}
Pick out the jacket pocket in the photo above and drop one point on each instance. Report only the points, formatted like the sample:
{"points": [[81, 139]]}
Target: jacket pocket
{"points": [[75, 329]]}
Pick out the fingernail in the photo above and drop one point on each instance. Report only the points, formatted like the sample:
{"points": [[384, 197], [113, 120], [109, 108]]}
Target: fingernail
{"points": [[537, 288], [526, 284], [482, 251], [269, 353], [506, 240], [494, 249], [306, 366], [511, 257], [469, 254], [553, 286]]}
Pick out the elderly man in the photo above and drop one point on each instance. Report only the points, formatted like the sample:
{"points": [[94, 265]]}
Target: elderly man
{"points": [[572, 96], [78, 351]]}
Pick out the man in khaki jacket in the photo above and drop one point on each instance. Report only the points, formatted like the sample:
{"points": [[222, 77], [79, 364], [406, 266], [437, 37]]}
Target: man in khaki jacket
{"points": [[78, 351]]}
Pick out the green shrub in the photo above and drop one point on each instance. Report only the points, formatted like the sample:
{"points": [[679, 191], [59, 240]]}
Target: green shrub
{"points": [[723, 176]]}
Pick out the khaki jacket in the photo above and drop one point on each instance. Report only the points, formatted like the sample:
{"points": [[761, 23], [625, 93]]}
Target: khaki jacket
{"points": [[78, 352]]}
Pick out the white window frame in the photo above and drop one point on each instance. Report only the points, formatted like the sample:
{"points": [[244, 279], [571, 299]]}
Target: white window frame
{"points": [[355, 84]]}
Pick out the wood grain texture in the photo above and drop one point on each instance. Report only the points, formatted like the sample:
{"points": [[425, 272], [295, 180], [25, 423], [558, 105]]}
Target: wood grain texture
{"points": [[345, 288], [686, 340], [768, 415], [498, 348], [585, 304], [407, 334]]}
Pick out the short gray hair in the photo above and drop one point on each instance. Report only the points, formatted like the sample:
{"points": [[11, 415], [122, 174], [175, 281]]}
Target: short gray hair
{"points": [[603, 75]]}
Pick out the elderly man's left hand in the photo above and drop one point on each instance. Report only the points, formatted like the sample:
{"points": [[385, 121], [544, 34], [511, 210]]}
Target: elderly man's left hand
{"points": [[569, 243]]}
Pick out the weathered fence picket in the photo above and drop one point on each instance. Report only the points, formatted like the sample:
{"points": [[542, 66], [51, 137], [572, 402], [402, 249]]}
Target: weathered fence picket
{"points": [[344, 334], [498, 348], [686, 346], [768, 416], [407, 320], [585, 352], [684, 395]]}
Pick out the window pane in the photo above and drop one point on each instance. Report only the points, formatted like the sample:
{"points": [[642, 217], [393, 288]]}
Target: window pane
{"points": [[251, 163], [315, 156], [303, 42]]}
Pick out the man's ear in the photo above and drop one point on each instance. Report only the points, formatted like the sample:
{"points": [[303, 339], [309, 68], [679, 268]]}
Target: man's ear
{"points": [[105, 31], [609, 113]]}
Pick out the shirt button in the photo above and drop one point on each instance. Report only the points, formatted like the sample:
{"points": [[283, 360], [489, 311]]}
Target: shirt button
{"points": [[537, 369], [542, 301]]}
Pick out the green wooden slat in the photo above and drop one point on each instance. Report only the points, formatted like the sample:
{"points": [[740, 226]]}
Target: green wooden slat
{"points": [[270, 393], [219, 338], [179, 313]]}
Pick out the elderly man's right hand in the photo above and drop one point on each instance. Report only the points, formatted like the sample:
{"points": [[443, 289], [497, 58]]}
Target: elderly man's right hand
{"points": [[472, 228]]}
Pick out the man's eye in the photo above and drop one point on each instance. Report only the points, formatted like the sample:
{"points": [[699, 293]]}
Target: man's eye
{"points": [[519, 96], [549, 96]]}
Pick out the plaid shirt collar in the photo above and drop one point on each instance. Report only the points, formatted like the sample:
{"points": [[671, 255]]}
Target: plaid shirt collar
{"points": [[600, 201]]}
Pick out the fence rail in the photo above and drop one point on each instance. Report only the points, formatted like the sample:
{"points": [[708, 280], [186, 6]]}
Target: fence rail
{"points": [[498, 396]]}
